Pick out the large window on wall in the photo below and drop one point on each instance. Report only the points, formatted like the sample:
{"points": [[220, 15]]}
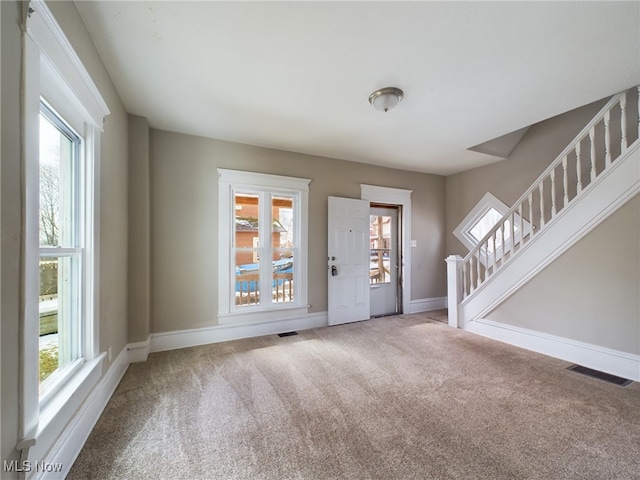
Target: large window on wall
{"points": [[63, 114], [263, 245], [61, 255]]}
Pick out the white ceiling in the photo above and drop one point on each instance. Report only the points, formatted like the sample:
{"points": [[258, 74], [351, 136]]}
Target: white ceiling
{"points": [[297, 75]]}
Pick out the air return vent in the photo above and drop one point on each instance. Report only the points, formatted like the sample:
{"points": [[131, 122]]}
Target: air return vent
{"points": [[623, 382], [287, 334]]}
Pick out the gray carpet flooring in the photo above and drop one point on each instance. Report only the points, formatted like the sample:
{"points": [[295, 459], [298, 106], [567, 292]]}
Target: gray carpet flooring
{"points": [[403, 397]]}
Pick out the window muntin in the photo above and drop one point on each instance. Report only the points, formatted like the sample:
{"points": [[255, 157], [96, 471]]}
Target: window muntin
{"points": [[61, 249]]}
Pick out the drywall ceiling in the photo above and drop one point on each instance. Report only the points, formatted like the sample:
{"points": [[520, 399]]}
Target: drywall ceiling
{"points": [[297, 75]]}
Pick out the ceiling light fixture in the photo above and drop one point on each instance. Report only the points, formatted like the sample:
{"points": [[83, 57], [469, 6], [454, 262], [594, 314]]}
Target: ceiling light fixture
{"points": [[386, 99]]}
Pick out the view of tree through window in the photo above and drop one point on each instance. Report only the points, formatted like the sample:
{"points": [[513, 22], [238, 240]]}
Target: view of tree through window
{"points": [[60, 255]]}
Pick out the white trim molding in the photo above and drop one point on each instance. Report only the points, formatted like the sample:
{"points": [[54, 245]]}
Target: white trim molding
{"points": [[263, 185], [615, 362], [68, 445], [139, 351], [58, 54], [221, 333], [427, 304], [396, 196]]}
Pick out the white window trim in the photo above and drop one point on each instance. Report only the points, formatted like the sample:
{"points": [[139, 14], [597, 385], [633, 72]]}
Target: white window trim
{"points": [[228, 182], [487, 202], [48, 55]]}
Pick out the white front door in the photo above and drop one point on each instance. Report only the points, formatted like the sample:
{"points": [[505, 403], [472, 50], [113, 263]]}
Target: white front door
{"points": [[383, 258], [348, 260]]}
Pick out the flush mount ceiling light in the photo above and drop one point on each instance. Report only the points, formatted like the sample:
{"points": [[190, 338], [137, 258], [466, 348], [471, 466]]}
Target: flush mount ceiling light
{"points": [[386, 99]]}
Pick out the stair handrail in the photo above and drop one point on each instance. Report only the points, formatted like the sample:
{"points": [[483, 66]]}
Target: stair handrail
{"points": [[475, 252]]}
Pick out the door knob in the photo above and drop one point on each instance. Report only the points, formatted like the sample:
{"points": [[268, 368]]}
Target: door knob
{"points": [[334, 271]]}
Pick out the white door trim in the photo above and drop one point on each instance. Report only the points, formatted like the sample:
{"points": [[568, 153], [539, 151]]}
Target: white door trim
{"points": [[396, 196]]}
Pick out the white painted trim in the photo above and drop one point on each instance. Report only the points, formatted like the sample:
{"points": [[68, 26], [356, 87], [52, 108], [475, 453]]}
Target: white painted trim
{"points": [[614, 187], [298, 188], [463, 231], [615, 362], [61, 410], [43, 28], [69, 444], [487, 202], [222, 333], [427, 304], [139, 351], [396, 196]]}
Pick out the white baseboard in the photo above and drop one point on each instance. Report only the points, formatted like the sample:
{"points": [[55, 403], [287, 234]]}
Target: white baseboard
{"points": [[139, 351], [427, 304], [614, 362], [222, 333], [67, 448]]}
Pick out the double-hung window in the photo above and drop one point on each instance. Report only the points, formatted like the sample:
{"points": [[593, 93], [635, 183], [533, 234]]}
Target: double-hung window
{"points": [[63, 114], [62, 239], [263, 246]]}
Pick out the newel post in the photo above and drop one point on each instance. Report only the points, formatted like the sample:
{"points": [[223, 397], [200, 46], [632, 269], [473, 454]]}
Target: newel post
{"points": [[454, 287]]}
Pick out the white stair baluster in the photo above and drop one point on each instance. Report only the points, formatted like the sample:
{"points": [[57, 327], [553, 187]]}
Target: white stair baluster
{"points": [[521, 225], [592, 134], [553, 193], [638, 111], [541, 190], [578, 169], [531, 214], [464, 280], [607, 139], [472, 283], [623, 122], [502, 250], [495, 255], [478, 268], [565, 181], [512, 232]]}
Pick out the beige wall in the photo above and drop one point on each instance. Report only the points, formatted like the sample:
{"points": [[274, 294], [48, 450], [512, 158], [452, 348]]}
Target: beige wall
{"points": [[591, 293], [510, 178], [113, 215], [139, 304], [184, 209]]}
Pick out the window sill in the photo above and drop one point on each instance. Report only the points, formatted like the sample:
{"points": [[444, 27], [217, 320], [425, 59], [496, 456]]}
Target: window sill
{"points": [[64, 404], [263, 315]]}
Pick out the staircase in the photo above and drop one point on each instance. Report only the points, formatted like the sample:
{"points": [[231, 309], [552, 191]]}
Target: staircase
{"points": [[597, 173]]}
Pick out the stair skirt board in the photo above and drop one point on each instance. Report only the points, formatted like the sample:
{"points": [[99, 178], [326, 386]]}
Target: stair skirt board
{"points": [[607, 360]]}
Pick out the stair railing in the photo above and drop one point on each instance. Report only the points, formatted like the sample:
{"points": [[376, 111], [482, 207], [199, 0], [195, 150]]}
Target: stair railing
{"points": [[576, 168]]}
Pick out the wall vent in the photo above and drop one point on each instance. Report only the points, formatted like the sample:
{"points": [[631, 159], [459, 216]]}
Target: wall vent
{"points": [[607, 377], [287, 334]]}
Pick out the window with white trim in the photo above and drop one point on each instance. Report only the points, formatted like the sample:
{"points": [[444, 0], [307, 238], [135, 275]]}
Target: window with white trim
{"points": [[263, 246], [481, 219], [63, 114]]}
